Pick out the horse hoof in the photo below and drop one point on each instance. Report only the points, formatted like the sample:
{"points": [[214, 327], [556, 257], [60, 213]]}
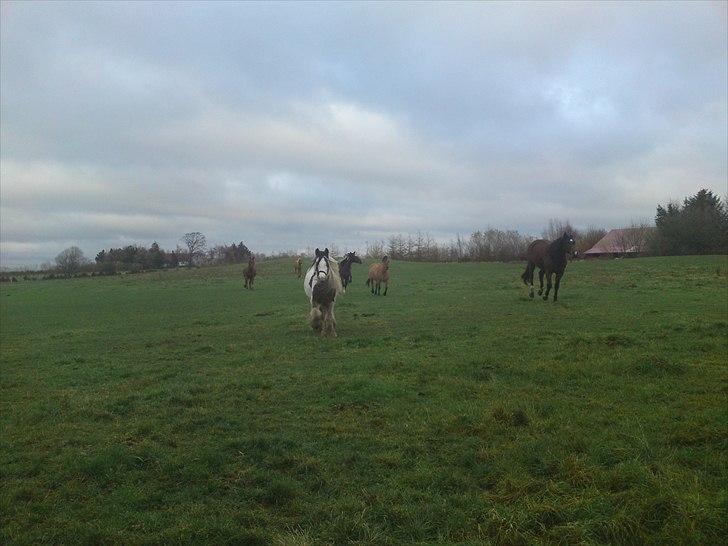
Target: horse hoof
{"points": [[530, 295], [540, 292], [545, 298]]}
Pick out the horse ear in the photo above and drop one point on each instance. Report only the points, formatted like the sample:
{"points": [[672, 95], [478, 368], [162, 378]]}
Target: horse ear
{"points": [[318, 252], [326, 252]]}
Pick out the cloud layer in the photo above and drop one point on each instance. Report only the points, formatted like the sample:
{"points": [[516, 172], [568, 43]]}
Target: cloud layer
{"points": [[294, 125]]}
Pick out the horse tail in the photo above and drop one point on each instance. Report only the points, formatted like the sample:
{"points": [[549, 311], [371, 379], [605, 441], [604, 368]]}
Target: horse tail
{"points": [[368, 281], [526, 276]]}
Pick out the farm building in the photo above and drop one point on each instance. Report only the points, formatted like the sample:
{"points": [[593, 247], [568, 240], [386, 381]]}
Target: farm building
{"points": [[621, 242]]}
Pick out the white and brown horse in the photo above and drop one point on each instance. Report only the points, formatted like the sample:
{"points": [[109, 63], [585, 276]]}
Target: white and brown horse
{"points": [[322, 284]]}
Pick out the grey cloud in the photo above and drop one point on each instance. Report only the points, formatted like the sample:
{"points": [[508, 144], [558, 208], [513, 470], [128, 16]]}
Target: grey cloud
{"points": [[133, 122]]}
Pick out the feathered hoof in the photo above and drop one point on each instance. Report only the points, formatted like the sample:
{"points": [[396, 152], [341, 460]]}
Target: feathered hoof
{"points": [[316, 320]]}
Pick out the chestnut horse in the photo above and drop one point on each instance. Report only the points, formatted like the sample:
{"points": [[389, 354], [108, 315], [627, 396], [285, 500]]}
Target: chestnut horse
{"points": [[297, 267], [249, 273], [378, 274], [550, 258]]}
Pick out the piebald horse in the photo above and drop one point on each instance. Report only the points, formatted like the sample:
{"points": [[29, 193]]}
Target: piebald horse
{"points": [[550, 258], [322, 284]]}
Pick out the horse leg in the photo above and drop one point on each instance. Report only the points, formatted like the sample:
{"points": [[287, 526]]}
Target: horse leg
{"points": [[329, 323], [386, 287], [540, 282], [325, 326], [556, 285], [332, 321], [529, 269], [528, 277], [316, 318], [548, 285]]}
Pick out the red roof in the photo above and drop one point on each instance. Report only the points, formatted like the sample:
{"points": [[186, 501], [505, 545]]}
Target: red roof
{"points": [[621, 241]]}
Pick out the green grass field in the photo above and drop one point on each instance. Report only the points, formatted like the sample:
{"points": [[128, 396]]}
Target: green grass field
{"points": [[176, 407]]}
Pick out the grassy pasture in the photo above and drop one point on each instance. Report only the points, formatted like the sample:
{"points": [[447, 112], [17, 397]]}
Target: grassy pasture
{"points": [[176, 407]]}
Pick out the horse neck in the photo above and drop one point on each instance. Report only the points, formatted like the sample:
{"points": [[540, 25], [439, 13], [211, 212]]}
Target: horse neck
{"points": [[557, 249]]}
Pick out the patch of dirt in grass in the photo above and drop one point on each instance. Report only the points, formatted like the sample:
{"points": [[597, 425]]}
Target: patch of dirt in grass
{"points": [[658, 366], [619, 340]]}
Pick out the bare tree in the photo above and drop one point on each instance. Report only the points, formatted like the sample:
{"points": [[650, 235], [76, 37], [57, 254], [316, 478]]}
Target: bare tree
{"points": [[70, 260], [635, 238], [375, 250], [557, 228], [195, 243], [589, 237]]}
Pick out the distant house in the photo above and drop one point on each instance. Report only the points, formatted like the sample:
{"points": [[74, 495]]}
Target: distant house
{"points": [[621, 242]]}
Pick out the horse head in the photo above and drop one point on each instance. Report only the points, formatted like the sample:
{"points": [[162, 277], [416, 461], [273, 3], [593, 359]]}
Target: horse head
{"points": [[353, 257], [568, 242], [319, 270]]}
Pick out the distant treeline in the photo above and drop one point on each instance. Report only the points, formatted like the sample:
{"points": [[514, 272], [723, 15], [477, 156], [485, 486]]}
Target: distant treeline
{"points": [[134, 258], [697, 226], [490, 245], [481, 246]]}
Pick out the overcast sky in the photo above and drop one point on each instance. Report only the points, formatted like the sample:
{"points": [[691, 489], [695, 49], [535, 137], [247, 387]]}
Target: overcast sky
{"points": [[298, 125]]}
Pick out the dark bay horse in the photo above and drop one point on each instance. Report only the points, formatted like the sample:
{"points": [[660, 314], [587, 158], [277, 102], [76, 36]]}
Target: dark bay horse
{"points": [[550, 258], [345, 267], [249, 273]]}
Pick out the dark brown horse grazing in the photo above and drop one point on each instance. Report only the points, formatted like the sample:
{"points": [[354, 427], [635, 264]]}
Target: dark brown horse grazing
{"points": [[249, 273], [378, 274], [345, 267], [550, 258]]}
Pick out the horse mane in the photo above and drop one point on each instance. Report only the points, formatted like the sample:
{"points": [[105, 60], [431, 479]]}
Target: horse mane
{"points": [[335, 276]]}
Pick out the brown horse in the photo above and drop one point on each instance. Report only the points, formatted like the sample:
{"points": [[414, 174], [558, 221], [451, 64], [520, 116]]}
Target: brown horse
{"points": [[297, 267], [249, 273], [550, 258], [378, 274]]}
